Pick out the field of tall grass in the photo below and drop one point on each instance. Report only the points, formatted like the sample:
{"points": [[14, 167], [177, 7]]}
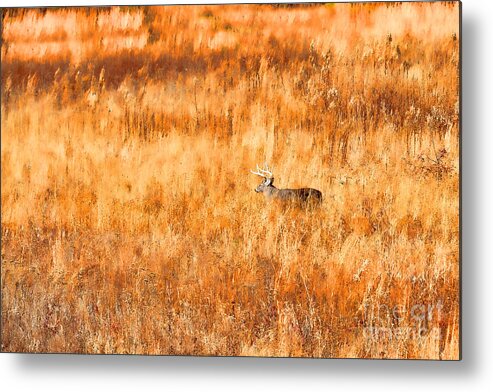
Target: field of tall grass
{"points": [[129, 220]]}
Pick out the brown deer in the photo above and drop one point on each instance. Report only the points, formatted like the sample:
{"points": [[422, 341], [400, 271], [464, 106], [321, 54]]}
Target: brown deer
{"points": [[301, 196]]}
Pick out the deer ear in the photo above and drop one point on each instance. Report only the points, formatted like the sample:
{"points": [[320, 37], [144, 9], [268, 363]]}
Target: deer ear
{"points": [[271, 181]]}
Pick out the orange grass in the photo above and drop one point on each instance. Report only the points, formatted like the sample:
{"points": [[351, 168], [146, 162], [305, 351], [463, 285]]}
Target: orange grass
{"points": [[129, 221]]}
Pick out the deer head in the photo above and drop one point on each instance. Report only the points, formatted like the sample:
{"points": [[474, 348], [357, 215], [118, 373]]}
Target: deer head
{"points": [[266, 175]]}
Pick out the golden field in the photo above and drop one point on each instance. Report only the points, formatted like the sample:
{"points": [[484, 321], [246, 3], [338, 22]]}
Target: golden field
{"points": [[129, 220]]}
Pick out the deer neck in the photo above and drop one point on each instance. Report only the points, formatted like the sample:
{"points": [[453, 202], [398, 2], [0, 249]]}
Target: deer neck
{"points": [[271, 191]]}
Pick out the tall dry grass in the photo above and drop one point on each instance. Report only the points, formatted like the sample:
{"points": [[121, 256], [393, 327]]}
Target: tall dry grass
{"points": [[129, 221]]}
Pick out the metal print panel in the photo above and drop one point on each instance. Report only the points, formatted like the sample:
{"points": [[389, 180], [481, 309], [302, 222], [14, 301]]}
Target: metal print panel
{"points": [[274, 180]]}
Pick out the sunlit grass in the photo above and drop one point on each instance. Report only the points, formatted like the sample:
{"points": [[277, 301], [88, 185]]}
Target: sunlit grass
{"points": [[129, 221]]}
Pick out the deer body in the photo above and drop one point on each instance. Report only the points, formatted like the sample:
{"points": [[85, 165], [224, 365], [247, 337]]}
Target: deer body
{"points": [[301, 195]]}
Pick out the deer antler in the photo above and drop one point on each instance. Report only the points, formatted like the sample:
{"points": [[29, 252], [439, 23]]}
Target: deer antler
{"points": [[263, 173]]}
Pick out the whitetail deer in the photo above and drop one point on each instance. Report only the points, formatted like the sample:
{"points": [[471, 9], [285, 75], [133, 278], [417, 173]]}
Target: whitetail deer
{"points": [[302, 195]]}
